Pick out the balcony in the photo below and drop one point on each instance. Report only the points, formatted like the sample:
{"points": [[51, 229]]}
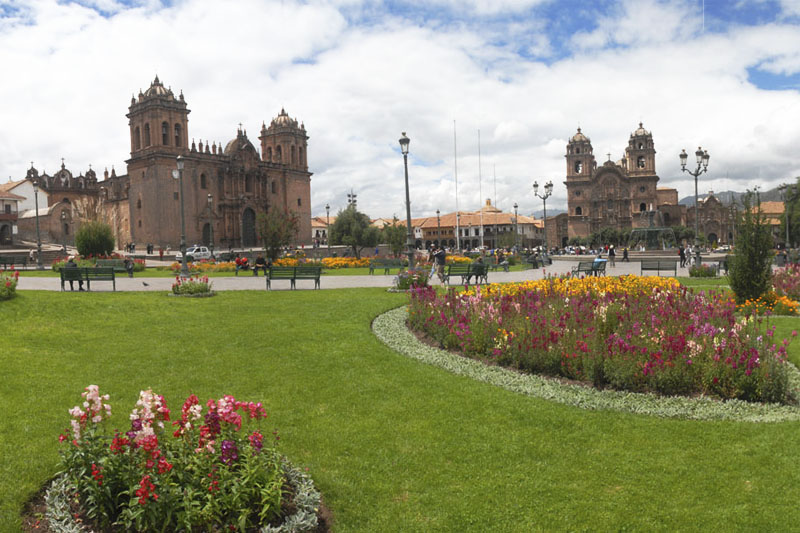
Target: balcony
{"points": [[5, 217]]}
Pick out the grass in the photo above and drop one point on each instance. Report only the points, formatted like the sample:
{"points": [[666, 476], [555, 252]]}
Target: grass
{"points": [[394, 445]]}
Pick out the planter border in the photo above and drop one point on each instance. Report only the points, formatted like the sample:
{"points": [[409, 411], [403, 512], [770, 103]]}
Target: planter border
{"points": [[391, 329]]}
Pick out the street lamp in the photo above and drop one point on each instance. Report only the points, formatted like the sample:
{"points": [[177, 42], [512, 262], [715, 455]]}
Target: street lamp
{"points": [[548, 191], [39, 265], [328, 227], [184, 268], [516, 225], [438, 228], [702, 166], [211, 224], [63, 229], [404, 142]]}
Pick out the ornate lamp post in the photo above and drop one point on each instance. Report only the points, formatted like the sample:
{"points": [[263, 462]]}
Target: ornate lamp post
{"points": [[39, 265], [548, 191], [404, 142], [211, 223], [702, 166], [516, 225], [63, 230], [184, 268], [328, 227], [438, 228]]}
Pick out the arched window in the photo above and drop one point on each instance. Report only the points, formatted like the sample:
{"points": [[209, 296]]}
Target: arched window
{"points": [[147, 135], [640, 161], [641, 146], [294, 158], [274, 188], [642, 207], [278, 154], [165, 134], [299, 203], [578, 150], [139, 203], [177, 134], [578, 167], [203, 183], [301, 155], [578, 211], [248, 183], [269, 154], [137, 139]]}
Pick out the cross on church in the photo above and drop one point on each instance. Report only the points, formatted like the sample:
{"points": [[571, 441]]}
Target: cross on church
{"points": [[609, 156], [240, 126]]}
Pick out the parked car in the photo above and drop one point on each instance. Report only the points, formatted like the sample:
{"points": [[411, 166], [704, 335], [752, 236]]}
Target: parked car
{"points": [[194, 253]]}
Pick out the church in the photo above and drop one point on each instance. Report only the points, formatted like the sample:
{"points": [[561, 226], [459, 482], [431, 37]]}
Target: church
{"points": [[224, 188], [617, 194]]}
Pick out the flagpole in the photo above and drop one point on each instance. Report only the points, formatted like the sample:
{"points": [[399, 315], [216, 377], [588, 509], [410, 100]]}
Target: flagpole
{"points": [[480, 188], [455, 173]]}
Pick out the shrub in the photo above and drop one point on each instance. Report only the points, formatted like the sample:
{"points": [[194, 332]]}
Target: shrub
{"points": [[209, 474], [191, 286], [769, 303], [703, 271], [8, 284], [94, 239], [408, 279], [750, 266]]}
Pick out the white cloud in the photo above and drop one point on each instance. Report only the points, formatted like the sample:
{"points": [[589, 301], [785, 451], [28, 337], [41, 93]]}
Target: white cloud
{"points": [[358, 85]]}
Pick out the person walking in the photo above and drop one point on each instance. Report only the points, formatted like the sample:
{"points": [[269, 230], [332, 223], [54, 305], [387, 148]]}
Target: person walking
{"points": [[612, 256], [625, 255], [682, 255], [440, 257]]}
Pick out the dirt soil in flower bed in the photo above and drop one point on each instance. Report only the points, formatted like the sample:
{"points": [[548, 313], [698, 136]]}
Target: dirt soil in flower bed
{"points": [[33, 515]]}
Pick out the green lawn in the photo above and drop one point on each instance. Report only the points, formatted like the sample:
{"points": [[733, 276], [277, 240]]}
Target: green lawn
{"points": [[394, 445]]}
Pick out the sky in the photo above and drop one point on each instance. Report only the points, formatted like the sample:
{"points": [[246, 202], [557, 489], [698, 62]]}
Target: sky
{"points": [[520, 75]]}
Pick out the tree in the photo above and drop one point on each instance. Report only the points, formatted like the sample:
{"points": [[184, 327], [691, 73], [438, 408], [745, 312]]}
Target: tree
{"points": [[355, 230], [792, 208], [94, 238], [394, 235], [277, 229], [750, 268]]}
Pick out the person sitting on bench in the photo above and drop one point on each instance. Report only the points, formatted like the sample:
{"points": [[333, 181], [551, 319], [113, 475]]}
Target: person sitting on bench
{"points": [[71, 264], [241, 264], [261, 263]]}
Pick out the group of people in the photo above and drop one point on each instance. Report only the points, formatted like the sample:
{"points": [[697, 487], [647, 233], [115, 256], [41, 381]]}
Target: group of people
{"points": [[243, 263]]}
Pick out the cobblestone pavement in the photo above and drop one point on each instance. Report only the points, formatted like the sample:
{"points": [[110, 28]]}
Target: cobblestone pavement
{"points": [[249, 282]]}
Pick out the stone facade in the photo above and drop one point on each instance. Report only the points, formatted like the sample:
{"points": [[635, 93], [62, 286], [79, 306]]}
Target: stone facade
{"points": [[224, 189]]}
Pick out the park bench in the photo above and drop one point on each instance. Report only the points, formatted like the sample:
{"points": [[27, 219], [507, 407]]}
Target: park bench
{"points": [[88, 275], [293, 274], [8, 261], [583, 267], [117, 264], [659, 266], [467, 271], [385, 264]]}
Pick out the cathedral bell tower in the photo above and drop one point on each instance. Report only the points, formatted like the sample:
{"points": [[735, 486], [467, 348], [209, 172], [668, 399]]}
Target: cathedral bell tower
{"points": [[640, 155], [284, 142], [159, 122], [580, 159]]}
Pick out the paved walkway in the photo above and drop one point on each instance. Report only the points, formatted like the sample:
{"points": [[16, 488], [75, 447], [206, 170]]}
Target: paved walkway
{"points": [[247, 282]]}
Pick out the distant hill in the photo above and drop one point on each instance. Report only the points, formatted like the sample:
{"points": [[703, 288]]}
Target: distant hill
{"points": [[728, 197]]}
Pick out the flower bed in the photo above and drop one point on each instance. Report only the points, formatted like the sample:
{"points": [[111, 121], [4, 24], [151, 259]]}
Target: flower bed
{"points": [[786, 281], [344, 262], [202, 266], [207, 475], [703, 271], [192, 286], [8, 283], [415, 278], [643, 334]]}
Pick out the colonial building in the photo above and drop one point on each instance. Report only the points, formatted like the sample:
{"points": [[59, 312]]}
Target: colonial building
{"points": [[615, 194], [224, 188]]}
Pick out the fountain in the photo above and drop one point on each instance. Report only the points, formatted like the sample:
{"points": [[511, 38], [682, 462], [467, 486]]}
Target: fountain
{"points": [[652, 238]]}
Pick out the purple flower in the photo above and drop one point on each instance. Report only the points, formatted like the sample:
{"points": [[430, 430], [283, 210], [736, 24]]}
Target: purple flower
{"points": [[230, 453]]}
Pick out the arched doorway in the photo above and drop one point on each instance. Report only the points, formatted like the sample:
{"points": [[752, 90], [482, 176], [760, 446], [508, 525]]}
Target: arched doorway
{"points": [[248, 227], [712, 238], [206, 234], [5, 234]]}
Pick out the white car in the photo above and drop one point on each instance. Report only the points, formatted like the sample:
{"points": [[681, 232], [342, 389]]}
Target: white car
{"points": [[194, 253]]}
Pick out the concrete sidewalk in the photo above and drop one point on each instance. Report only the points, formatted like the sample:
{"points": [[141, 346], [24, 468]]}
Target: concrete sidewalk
{"points": [[248, 282]]}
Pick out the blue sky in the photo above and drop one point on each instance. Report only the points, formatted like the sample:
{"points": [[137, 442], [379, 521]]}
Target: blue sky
{"points": [[526, 73]]}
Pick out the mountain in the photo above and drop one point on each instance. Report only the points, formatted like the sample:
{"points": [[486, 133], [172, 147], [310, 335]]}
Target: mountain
{"points": [[728, 197]]}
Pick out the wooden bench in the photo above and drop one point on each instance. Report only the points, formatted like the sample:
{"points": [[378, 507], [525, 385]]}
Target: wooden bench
{"points": [[659, 266], [385, 264], [293, 274], [117, 264], [88, 275], [7, 261], [467, 271]]}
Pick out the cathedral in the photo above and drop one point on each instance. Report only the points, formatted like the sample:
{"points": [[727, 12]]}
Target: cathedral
{"points": [[617, 194], [224, 188]]}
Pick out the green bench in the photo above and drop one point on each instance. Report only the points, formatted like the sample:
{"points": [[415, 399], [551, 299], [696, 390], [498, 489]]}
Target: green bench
{"points": [[385, 264], [590, 268], [293, 274], [659, 266], [467, 271], [88, 275], [8, 261], [117, 264]]}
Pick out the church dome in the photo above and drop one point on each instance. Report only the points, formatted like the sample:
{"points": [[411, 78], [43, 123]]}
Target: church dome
{"points": [[157, 89], [283, 120], [579, 137], [640, 131], [240, 143]]}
